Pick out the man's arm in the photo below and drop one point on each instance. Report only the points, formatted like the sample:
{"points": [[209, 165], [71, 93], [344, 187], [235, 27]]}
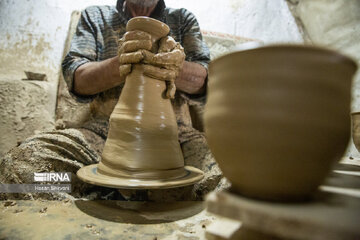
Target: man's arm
{"points": [[191, 78], [94, 77]]}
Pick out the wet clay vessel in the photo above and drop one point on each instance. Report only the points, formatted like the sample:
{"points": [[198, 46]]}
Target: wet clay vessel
{"points": [[142, 149], [355, 120], [277, 118]]}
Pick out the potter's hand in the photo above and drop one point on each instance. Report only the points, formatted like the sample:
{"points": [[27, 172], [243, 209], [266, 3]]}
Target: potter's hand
{"points": [[130, 49], [166, 64]]}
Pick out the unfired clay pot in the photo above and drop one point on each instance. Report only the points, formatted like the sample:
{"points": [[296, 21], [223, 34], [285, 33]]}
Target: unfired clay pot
{"points": [[142, 149], [277, 118], [355, 120]]}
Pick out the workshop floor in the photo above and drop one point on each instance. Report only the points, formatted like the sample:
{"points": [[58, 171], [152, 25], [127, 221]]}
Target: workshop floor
{"points": [[103, 220], [135, 220]]}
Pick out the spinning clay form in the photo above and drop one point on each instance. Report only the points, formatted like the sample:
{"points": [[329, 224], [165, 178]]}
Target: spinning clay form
{"points": [[142, 149]]}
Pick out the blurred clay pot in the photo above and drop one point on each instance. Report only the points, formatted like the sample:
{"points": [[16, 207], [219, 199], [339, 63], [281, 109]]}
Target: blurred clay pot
{"points": [[277, 118], [355, 119]]}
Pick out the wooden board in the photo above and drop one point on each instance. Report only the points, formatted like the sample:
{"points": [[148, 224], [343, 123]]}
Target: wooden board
{"points": [[333, 215]]}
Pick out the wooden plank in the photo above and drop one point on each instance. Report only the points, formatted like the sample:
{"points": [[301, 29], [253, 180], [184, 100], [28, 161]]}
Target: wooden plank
{"points": [[333, 215]]}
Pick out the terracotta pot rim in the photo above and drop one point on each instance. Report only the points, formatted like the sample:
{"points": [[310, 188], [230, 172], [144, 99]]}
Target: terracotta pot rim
{"points": [[340, 56]]}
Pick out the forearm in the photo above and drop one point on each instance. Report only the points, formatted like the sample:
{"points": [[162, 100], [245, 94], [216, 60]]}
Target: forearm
{"points": [[191, 78], [94, 77]]}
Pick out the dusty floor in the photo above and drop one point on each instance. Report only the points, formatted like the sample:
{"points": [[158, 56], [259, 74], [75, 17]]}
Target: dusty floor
{"points": [[189, 220], [103, 220]]}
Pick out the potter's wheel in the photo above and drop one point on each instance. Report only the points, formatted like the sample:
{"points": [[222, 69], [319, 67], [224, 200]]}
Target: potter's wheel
{"points": [[90, 174]]}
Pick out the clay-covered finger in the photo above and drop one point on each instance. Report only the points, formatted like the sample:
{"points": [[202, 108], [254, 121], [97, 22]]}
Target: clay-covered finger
{"points": [[136, 35], [120, 43], [134, 45], [170, 90], [159, 73], [167, 44], [134, 57], [124, 69], [148, 56], [175, 57]]}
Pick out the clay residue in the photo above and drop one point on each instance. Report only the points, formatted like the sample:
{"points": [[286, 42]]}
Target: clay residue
{"points": [[63, 219], [220, 44], [22, 112], [14, 61], [292, 4]]}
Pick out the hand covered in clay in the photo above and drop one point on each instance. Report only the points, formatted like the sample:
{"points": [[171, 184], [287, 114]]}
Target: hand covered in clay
{"points": [[165, 64], [130, 49]]}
